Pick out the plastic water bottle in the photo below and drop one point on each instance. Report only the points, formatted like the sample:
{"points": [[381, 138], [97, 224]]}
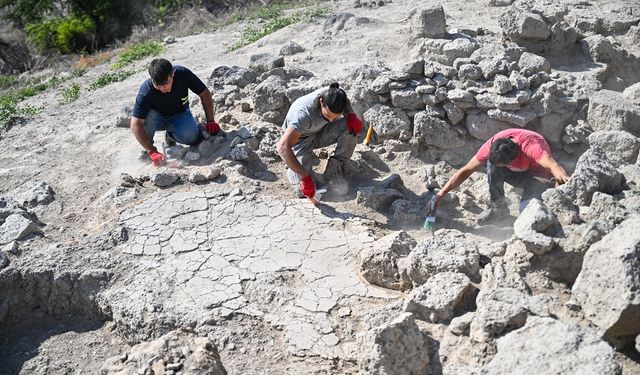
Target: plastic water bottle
{"points": [[430, 220]]}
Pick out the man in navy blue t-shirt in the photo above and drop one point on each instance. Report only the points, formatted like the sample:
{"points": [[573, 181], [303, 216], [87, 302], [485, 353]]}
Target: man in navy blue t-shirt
{"points": [[163, 104]]}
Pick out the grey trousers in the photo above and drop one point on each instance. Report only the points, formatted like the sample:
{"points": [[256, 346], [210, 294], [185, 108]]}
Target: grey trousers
{"points": [[533, 186], [334, 132]]}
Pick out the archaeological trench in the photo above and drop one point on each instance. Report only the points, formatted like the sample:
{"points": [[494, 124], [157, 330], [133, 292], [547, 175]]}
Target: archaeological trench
{"points": [[216, 268]]}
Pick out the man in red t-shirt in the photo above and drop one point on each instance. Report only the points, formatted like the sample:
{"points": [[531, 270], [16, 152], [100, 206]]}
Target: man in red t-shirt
{"points": [[517, 156]]}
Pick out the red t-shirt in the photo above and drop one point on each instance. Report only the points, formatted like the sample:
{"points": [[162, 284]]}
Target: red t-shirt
{"points": [[533, 146]]}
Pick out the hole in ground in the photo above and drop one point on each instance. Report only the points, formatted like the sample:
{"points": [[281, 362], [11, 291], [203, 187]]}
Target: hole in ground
{"points": [[51, 324]]}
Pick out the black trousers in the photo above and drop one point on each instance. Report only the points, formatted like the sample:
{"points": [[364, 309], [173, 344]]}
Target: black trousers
{"points": [[533, 186]]}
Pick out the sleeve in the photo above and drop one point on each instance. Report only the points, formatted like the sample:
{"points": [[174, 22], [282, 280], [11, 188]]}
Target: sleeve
{"points": [[536, 148], [483, 152], [194, 83], [299, 121], [142, 105]]}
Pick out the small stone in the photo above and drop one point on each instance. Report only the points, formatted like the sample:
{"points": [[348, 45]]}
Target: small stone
{"points": [[344, 312], [192, 156], [235, 192], [4, 260], [11, 248], [169, 39], [236, 141]]}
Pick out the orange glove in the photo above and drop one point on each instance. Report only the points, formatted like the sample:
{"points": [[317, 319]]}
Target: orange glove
{"points": [[157, 158], [354, 125], [212, 127], [307, 187]]}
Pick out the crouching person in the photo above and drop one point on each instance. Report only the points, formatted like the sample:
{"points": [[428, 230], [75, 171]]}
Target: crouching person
{"points": [[319, 119], [163, 104], [519, 157]]}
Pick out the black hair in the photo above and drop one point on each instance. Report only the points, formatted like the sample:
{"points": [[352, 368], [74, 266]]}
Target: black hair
{"points": [[503, 151], [160, 70], [334, 98]]}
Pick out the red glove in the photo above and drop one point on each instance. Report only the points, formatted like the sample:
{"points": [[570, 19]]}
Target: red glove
{"points": [[354, 124], [308, 187], [156, 157], [212, 127]]}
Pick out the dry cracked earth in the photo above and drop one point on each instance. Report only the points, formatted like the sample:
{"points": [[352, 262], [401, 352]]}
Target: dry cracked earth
{"points": [[110, 266]]}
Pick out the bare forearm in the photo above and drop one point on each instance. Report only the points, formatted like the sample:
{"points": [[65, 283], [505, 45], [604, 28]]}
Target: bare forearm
{"points": [[137, 128], [286, 153], [207, 105], [456, 180]]}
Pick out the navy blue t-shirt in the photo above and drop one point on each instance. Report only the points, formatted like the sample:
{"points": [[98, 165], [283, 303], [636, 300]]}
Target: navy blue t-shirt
{"points": [[173, 102]]}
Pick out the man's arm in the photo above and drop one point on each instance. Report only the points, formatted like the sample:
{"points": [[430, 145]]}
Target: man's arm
{"points": [[289, 138], [459, 177], [207, 104], [137, 127], [559, 174]]}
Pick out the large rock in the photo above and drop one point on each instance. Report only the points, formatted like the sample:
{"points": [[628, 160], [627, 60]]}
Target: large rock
{"points": [[440, 297], [546, 346], [436, 132], [176, 351], [270, 99], [620, 146], [397, 347], [387, 121], [531, 225], [499, 311], [519, 118], [594, 172], [610, 110], [234, 75], [608, 287], [32, 193], [482, 127], [407, 99], [447, 250], [632, 93], [518, 24], [377, 198], [428, 22], [378, 262], [16, 227], [531, 64], [263, 62]]}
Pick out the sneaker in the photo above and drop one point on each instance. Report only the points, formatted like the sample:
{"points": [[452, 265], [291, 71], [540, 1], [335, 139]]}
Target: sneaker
{"points": [[169, 141], [494, 213]]}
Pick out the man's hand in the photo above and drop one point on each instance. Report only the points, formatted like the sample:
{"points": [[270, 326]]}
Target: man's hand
{"points": [[439, 198], [157, 158], [212, 127], [307, 187], [354, 125]]}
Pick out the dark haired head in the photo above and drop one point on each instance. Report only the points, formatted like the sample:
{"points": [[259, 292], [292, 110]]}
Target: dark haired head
{"points": [[334, 98], [503, 151], [160, 70]]}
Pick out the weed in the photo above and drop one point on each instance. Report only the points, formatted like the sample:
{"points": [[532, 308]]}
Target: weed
{"points": [[138, 51], [8, 81], [275, 21], [107, 78], [71, 93]]}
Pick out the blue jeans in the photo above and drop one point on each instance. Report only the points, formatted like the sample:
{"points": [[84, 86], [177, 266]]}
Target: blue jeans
{"points": [[182, 127]]}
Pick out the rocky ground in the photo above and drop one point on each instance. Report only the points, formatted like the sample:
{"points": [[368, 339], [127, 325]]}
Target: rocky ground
{"points": [[111, 266]]}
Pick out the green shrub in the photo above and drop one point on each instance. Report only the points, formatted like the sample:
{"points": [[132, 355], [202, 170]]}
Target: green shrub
{"points": [[107, 78], [71, 34], [138, 51], [9, 100], [71, 93], [8, 81]]}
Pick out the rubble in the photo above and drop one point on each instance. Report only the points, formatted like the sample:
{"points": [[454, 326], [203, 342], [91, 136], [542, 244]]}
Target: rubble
{"points": [[546, 345], [437, 299], [610, 269], [178, 350]]}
